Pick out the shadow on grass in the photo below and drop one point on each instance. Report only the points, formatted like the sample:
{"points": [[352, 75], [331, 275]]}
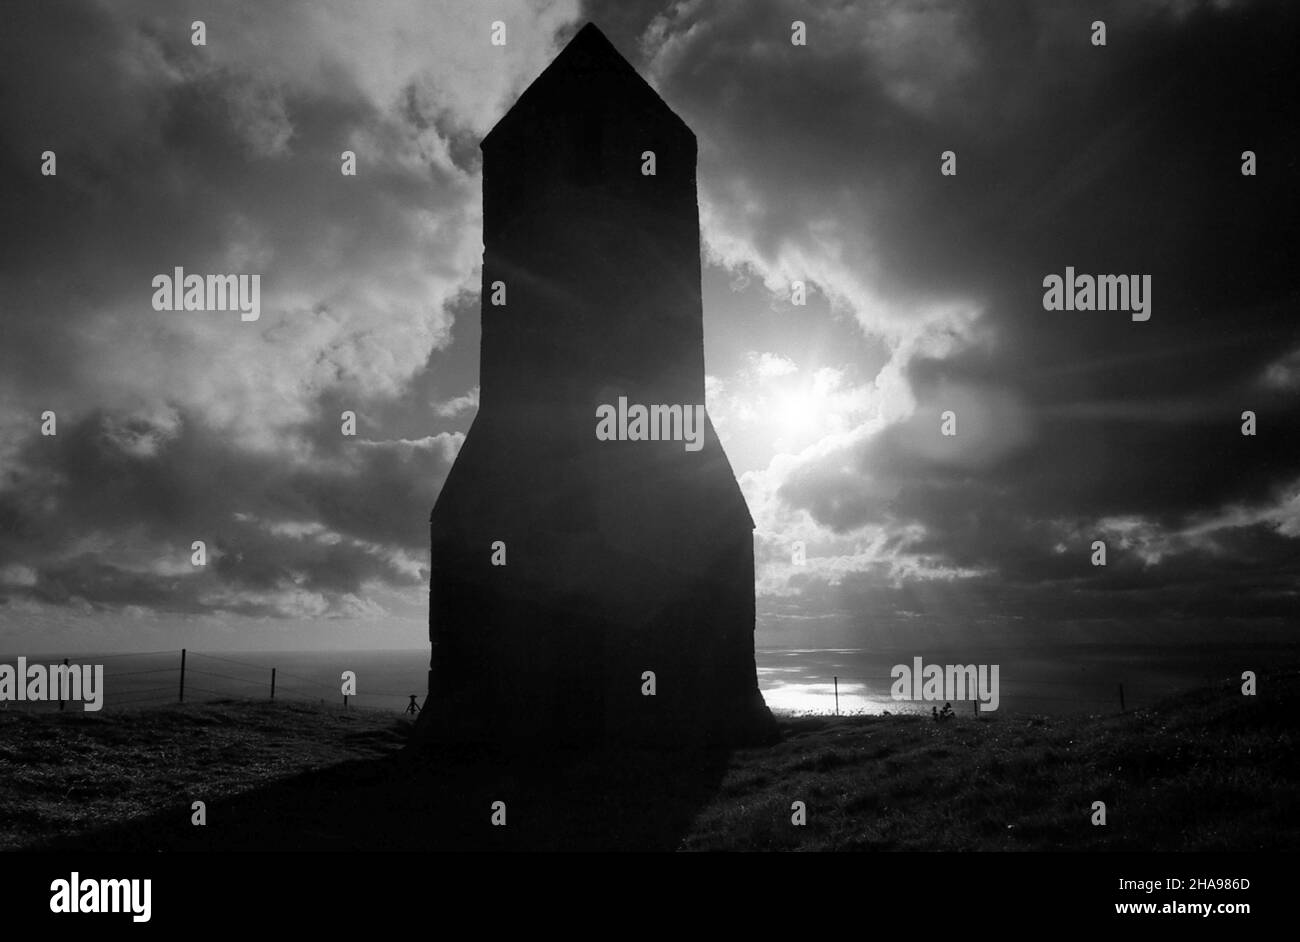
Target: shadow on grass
{"points": [[441, 798]]}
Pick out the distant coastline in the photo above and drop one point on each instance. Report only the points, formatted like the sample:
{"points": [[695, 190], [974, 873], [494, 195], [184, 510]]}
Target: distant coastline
{"points": [[1046, 680]]}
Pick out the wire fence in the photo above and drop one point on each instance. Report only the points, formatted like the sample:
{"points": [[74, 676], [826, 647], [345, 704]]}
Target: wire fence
{"points": [[193, 676], [186, 676]]}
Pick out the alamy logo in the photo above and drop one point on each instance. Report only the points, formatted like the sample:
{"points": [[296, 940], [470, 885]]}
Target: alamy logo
{"points": [[83, 682], [946, 682], [76, 895], [638, 423], [1098, 293], [181, 292]]}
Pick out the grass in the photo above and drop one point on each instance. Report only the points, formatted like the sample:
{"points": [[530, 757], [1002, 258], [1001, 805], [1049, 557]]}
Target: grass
{"points": [[1208, 770], [69, 773]]}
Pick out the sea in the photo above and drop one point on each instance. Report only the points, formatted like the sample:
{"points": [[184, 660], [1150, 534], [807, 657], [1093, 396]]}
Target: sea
{"points": [[1061, 679]]}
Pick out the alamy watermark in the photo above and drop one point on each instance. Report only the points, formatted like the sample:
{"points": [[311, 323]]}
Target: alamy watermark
{"points": [[1098, 293], [181, 292], [946, 682], [656, 423], [84, 682], [76, 895]]}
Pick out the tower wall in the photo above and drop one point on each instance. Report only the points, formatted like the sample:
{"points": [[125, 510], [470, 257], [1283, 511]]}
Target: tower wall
{"points": [[621, 557]]}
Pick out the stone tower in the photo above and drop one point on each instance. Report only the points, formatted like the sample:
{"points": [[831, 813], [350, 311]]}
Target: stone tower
{"points": [[622, 559]]}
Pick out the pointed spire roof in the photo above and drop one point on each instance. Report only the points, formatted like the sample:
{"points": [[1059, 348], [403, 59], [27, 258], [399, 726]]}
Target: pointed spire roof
{"points": [[589, 74]]}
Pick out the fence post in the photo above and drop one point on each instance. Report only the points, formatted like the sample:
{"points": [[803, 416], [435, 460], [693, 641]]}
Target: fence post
{"points": [[345, 701], [837, 696], [975, 706], [1121, 698], [272, 683], [65, 664], [182, 675]]}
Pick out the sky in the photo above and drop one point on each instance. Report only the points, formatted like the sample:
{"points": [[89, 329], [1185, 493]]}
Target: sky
{"points": [[818, 163]]}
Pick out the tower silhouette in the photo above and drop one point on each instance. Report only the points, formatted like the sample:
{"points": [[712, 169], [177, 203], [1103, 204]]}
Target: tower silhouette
{"points": [[585, 589]]}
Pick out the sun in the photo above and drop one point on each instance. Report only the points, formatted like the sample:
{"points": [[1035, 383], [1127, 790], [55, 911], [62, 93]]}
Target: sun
{"points": [[795, 409], [797, 412]]}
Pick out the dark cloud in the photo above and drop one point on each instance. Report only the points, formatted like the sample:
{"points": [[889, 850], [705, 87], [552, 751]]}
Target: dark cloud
{"points": [[106, 512], [1122, 159], [183, 426]]}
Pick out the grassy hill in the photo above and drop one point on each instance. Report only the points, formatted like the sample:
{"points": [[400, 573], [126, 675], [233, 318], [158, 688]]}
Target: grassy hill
{"points": [[1208, 770]]}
